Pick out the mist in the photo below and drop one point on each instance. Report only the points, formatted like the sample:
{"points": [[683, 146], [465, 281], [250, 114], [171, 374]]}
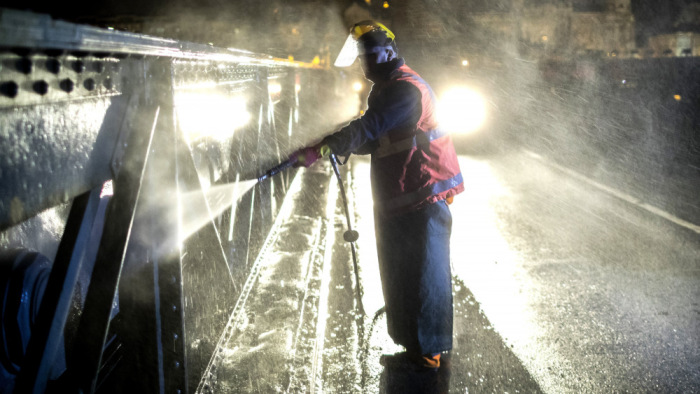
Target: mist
{"points": [[579, 222]]}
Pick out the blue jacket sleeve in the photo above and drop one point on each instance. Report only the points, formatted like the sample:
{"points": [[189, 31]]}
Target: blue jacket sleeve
{"points": [[395, 105]]}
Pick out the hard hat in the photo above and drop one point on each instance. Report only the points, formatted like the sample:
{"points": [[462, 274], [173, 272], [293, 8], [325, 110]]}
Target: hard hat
{"points": [[363, 35]]}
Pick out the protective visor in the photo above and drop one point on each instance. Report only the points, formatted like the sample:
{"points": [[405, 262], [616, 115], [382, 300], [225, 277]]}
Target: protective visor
{"points": [[376, 34], [348, 53]]}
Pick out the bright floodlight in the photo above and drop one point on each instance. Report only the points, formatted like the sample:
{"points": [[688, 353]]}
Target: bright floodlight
{"points": [[210, 115], [461, 110], [357, 86]]}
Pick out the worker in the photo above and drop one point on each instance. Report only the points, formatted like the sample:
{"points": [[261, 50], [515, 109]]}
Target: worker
{"points": [[414, 175]]}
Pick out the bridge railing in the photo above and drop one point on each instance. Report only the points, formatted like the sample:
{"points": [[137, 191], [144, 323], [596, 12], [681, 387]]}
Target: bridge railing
{"points": [[126, 162]]}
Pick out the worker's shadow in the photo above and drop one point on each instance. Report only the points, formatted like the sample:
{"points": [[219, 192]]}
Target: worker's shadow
{"points": [[411, 380]]}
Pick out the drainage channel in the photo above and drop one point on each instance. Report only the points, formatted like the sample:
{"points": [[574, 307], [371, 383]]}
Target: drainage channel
{"points": [[274, 340]]}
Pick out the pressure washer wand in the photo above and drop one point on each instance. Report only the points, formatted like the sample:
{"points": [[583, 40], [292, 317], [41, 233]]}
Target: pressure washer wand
{"points": [[350, 235], [278, 168]]}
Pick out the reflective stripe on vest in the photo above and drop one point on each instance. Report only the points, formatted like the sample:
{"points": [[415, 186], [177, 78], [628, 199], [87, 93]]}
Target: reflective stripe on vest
{"points": [[425, 192], [386, 147]]}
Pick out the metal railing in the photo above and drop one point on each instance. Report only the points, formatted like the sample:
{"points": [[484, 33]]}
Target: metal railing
{"points": [[133, 133]]}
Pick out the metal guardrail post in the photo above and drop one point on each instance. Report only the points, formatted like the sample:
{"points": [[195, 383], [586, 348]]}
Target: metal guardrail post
{"points": [[45, 341], [92, 331]]}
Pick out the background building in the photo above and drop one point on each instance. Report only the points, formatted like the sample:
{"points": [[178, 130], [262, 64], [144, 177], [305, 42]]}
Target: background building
{"points": [[684, 37]]}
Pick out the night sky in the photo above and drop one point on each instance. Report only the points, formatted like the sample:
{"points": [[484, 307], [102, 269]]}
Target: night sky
{"points": [[652, 16]]}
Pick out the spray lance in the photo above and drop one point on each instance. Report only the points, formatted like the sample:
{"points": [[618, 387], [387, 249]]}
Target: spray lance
{"points": [[304, 157], [277, 169]]}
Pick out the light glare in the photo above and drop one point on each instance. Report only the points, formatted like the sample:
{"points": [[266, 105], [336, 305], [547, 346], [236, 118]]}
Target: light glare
{"points": [[214, 115], [461, 110], [274, 88]]}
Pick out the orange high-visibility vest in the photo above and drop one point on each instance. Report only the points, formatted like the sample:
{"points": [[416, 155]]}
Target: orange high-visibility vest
{"points": [[415, 165]]}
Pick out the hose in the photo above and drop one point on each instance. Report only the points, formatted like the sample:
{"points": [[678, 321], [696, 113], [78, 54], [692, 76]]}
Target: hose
{"points": [[350, 236]]}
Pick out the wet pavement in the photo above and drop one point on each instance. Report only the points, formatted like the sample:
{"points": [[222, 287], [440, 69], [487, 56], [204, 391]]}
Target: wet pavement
{"points": [[559, 287]]}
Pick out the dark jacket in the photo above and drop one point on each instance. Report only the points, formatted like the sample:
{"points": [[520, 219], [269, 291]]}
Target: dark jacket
{"points": [[413, 162]]}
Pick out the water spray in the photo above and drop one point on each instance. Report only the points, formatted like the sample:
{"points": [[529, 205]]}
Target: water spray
{"points": [[220, 197]]}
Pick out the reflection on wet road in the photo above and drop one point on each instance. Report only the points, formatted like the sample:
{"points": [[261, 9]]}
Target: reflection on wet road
{"points": [[479, 362], [593, 293], [559, 287]]}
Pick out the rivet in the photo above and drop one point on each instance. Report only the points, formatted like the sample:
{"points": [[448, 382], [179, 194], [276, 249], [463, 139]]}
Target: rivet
{"points": [[108, 83], [174, 307], [9, 89], [89, 84], [78, 66], [66, 85], [177, 364], [53, 65], [24, 65], [175, 336], [40, 87]]}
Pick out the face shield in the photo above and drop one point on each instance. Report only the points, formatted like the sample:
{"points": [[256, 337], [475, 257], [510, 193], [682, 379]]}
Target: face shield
{"points": [[348, 53], [363, 35]]}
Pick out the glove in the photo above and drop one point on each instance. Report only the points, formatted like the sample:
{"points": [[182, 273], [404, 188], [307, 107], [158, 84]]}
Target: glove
{"points": [[324, 151], [309, 155]]}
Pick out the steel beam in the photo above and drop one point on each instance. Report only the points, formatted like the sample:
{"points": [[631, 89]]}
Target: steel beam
{"points": [[86, 358], [47, 337], [81, 105]]}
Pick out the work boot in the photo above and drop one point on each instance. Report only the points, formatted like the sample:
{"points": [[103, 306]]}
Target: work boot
{"points": [[406, 359], [431, 360]]}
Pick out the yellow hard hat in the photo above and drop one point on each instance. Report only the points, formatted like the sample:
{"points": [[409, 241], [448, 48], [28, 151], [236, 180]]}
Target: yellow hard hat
{"points": [[374, 28], [363, 35]]}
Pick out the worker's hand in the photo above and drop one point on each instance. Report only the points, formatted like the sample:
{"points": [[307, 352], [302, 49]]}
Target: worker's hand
{"points": [[305, 157], [309, 155]]}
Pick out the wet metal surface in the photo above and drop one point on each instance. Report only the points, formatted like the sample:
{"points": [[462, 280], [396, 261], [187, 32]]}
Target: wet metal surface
{"points": [[71, 98]]}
